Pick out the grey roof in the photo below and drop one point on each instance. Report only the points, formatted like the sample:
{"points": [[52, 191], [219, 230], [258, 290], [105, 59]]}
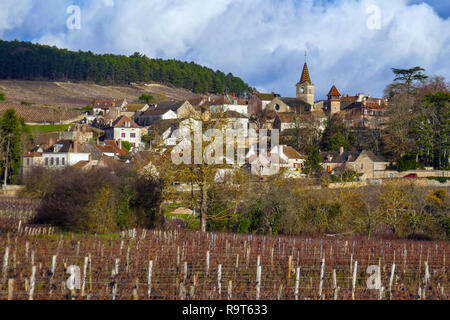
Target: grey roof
{"points": [[170, 105], [297, 104], [90, 148], [338, 157], [66, 146]]}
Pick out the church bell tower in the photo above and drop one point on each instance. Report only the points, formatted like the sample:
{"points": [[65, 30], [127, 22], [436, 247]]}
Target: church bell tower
{"points": [[305, 88]]}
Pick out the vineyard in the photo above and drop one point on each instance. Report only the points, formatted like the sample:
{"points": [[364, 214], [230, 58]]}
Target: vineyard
{"points": [[169, 265]]}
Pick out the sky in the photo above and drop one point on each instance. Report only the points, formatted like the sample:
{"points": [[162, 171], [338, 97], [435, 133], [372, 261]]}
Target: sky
{"points": [[350, 43]]}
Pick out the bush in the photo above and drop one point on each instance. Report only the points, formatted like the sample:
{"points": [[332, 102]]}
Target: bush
{"points": [[126, 145], [2, 96], [99, 201], [406, 163]]}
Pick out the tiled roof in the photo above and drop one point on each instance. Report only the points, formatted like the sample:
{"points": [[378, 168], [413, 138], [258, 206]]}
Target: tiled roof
{"points": [[155, 112], [228, 100], [370, 105], [66, 146], [134, 107], [291, 153], [337, 157], [110, 146], [98, 103], [170, 105], [298, 104], [305, 74], [334, 92], [121, 123], [372, 156], [267, 96], [33, 155]]}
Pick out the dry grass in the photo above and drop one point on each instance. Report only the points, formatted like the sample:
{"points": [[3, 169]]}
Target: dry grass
{"points": [[78, 95]]}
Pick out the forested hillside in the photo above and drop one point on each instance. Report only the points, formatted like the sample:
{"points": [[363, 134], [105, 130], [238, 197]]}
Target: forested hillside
{"points": [[28, 61]]}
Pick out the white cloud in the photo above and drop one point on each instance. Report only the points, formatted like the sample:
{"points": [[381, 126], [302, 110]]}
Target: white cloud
{"points": [[12, 13], [263, 41]]}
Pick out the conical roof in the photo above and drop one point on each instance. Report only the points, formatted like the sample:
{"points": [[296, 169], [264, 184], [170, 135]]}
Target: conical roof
{"points": [[334, 92], [305, 74]]}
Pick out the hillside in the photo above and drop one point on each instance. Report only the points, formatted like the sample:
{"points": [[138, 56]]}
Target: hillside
{"points": [[77, 95], [28, 61]]}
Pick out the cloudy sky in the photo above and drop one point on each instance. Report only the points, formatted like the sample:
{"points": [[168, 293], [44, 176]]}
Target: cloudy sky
{"points": [[351, 43]]}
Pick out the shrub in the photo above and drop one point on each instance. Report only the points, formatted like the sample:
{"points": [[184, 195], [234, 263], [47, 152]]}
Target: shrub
{"points": [[100, 201], [406, 163]]}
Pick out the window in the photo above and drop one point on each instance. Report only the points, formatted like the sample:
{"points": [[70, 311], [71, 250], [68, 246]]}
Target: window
{"points": [[46, 161], [57, 161], [63, 161], [124, 135], [28, 161], [132, 135], [277, 107], [362, 166], [52, 161]]}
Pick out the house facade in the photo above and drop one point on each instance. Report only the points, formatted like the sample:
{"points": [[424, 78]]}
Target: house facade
{"points": [[124, 129]]}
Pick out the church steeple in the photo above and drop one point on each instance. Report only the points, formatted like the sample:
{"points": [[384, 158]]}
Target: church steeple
{"points": [[305, 74], [305, 88]]}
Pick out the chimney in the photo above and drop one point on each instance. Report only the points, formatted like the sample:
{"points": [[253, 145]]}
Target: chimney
{"points": [[75, 145], [50, 142], [341, 150], [90, 158]]}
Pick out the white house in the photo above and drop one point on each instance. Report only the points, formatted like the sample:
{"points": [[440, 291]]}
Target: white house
{"points": [[150, 116], [289, 157], [124, 129], [227, 103], [64, 153]]}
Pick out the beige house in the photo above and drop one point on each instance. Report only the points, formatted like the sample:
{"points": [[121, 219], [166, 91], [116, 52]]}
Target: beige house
{"points": [[183, 109], [134, 110], [367, 164], [32, 160], [124, 129]]}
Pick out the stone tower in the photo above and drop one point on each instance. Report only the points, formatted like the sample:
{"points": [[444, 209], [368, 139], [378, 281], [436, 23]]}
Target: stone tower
{"points": [[305, 88], [334, 101]]}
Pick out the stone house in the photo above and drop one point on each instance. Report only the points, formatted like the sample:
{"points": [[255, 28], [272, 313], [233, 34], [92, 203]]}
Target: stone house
{"points": [[132, 111], [259, 101], [124, 129], [183, 109], [150, 116], [64, 153]]}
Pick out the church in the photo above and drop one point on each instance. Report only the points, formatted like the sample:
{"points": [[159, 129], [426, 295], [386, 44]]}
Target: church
{"points": [[283, 112]]}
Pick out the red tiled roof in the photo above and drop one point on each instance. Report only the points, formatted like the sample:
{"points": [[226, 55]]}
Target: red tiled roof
{"points": [[104, 103], [110, 146], [334, 92], [33, 155], [227, 100], [120, 123]]}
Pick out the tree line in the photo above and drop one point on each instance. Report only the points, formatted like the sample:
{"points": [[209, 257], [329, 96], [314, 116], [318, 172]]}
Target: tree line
{"points": [[28, 61]]}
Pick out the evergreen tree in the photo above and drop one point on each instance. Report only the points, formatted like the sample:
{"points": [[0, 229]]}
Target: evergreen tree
{"points": [[11, 145]]}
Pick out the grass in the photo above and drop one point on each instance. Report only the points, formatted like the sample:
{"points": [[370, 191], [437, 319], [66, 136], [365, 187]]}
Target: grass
{"points": [[50, 128], [26, 103]]}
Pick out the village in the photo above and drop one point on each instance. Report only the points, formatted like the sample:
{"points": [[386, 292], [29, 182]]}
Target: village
{"points": [[115, 132]]}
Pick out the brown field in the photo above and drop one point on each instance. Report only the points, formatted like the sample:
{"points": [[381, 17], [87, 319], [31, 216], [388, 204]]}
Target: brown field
{"points": [[78, 95], [118, 267]]}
